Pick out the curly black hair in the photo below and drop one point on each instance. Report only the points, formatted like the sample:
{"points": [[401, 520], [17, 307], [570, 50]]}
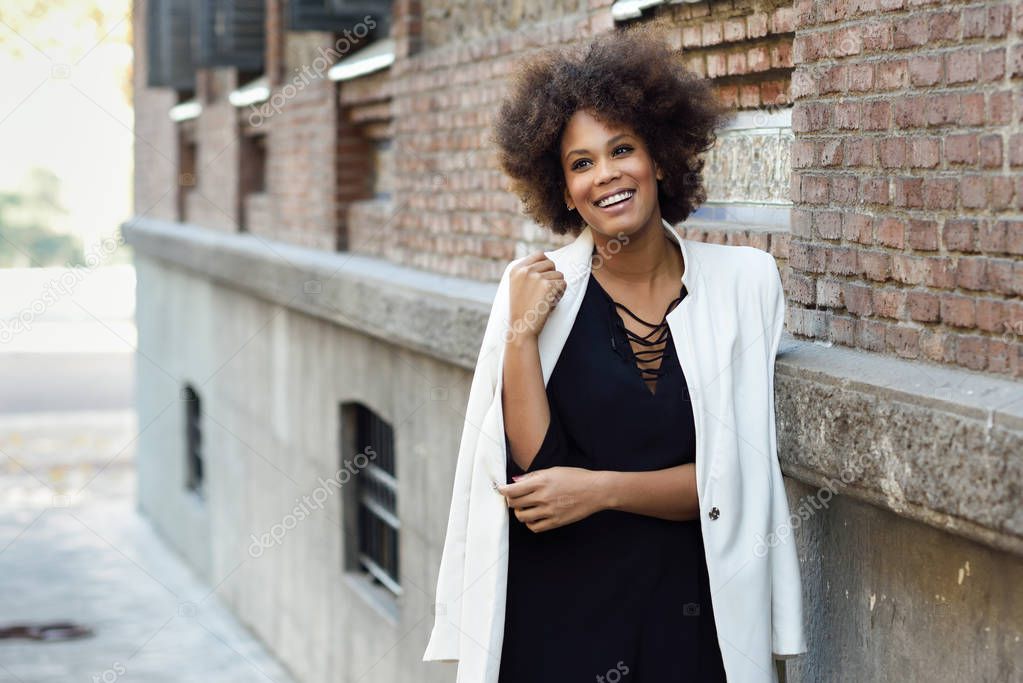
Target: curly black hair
{"points": [[628, 77]]}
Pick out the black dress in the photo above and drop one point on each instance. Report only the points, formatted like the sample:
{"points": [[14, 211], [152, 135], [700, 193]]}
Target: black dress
{"points": [[617, 596]]}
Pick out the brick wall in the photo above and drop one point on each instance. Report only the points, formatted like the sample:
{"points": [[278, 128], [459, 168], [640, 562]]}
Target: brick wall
{"points": [[908, 179]]}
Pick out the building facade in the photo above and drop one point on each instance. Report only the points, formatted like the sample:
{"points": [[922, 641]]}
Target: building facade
{"points": [[320, 224]]}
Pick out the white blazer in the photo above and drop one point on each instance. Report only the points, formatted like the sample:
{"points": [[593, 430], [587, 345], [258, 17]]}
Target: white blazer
{"points": [[726, 333]]}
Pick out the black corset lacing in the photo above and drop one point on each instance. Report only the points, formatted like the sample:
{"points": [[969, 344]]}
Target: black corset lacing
{"points": [[649, 340]]}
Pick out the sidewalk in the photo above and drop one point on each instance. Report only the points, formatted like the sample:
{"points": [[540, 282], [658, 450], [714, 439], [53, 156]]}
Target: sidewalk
{"points": [[73, 548]]}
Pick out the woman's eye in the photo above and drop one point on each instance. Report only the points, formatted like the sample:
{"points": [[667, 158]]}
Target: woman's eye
{"points": [[627, 148]]}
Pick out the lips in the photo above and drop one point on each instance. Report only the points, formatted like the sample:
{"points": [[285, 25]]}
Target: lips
{"points": [[621, 190], [618, 206]]}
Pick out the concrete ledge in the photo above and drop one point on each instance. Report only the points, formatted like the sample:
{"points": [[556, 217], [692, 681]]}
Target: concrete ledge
{"points": [[939, 445]]}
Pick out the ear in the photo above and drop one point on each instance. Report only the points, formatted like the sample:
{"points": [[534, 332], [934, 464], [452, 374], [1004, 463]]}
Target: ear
{"points": [[660, 173]]}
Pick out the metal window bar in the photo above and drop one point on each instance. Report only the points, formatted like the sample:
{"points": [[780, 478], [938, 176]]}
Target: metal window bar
{"points": [[378, 520]]}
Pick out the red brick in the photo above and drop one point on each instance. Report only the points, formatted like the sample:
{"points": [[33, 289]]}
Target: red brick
{"points": [[973, 192], [911, 31], [938, 345], [940, 193], [758, 59], [842, 261], [893, 152], [889, 303], [891, 232], [992, 65], [925, 152], [925, 70], [734, 29], [960, 235], [857, 299], [831, 152], [962, 66], [971, 273], [803, 154], [846, 42], [991, 151], [736, 64], [1000, 275], [870, 335], [876, 35], [971, 109], [910, 270], [874, 190], [958, 310], [908, 192], [992, 314], [859, 151], [827, 224], [806, 257], [801, 289], [961, 149], [1000, 109], [814, 189], [893, 74], [834, 79], [922, 235], [902, 341], [876, 115], [829, 293], [857, 227], [1001, 193], [844, 190], [781, 56], [717, 65], [783, 20], [691, 36], [943, 26], [1016, 149], [861, 77], [756, 25], [971, 352], [974, 22], [999, 19], [993, 236], [711, 33], [809, 117], [1013, 237], [923, 306], [910, 112], [847, 115], [943, 109]]}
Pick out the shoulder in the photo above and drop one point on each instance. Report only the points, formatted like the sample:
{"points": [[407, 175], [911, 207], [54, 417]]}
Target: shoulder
{"points": [[735, 263]]}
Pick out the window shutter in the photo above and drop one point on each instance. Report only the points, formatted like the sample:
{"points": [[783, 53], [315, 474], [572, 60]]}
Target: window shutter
{"points": [[338, 15], [169, 44], [231, 33]]}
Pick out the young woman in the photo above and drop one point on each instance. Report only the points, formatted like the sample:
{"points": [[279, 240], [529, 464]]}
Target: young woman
{"points": [[625, 436]]}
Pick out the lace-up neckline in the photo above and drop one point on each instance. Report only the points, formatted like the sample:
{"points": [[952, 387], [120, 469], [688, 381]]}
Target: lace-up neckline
{"points": [[655, 342]]}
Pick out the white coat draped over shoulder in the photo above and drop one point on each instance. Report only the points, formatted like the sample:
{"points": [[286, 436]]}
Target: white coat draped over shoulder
{"points": [[726, 333]]}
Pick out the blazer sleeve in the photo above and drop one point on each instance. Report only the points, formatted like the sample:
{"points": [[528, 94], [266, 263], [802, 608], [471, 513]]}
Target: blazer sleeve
{"points": [[787, 635], [443, 645]]}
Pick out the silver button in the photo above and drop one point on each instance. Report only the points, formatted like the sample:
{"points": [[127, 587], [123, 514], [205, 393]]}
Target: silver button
{"points": [[714, 512]]}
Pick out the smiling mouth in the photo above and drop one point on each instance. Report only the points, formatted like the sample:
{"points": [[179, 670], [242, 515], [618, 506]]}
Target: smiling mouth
{"points": [[615, 200]]}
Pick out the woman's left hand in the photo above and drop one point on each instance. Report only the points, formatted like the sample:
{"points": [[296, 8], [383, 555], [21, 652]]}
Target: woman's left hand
{"points": [[549, 498]]}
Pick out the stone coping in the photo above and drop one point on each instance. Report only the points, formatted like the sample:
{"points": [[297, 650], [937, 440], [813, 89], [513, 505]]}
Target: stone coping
{"points": [[941, 445]]}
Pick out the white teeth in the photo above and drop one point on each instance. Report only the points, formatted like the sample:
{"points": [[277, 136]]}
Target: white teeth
{"points": [[614, 199]]}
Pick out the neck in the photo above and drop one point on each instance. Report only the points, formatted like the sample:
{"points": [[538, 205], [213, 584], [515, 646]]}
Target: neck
{"points": [[642, 259]]}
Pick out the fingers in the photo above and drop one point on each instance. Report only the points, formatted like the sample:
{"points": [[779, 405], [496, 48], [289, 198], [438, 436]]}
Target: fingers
{"points": [[533, 514]]}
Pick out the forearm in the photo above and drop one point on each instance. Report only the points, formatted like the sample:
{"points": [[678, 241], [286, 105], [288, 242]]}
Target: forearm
{"points": [[667, 494], [524, 399]]}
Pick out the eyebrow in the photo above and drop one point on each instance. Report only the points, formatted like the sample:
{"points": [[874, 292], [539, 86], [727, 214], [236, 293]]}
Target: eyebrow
{"points": [[609, 143]]}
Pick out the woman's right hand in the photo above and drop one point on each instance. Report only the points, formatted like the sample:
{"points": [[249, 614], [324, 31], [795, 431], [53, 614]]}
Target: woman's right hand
{"points": [[535, 288]]}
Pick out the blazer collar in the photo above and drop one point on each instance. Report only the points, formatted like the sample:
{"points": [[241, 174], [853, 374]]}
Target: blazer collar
{"points": [[574, 261]]}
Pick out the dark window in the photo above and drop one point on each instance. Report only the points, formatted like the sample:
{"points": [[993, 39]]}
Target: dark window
{"points": [[252, 172], [187, 155], [339, 15], [231, 33], [169, 43], [373, 547], [193, 441]]}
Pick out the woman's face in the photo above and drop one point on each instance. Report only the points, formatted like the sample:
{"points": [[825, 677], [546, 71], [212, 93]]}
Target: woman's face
{"points": [[599, 162]]}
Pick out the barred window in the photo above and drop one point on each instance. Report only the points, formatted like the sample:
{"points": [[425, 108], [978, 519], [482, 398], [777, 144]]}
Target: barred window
{"points": [[193, 441]]}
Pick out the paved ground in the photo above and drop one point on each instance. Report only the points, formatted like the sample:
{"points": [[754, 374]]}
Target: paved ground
{"points": [[73, 548]]}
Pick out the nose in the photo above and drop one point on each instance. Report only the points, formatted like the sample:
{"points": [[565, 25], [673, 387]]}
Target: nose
{"points": [[606, 172]]}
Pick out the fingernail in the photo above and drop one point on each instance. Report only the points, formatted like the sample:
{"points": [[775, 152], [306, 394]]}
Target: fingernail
{"points": [[517, 478]]}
